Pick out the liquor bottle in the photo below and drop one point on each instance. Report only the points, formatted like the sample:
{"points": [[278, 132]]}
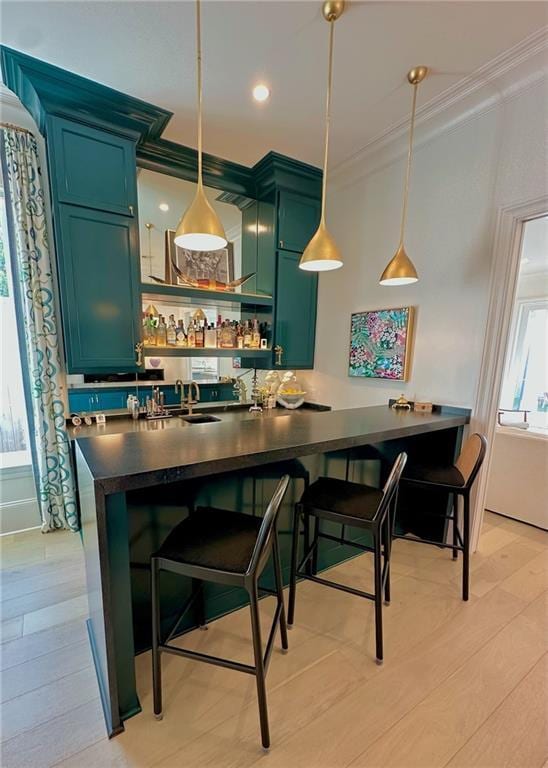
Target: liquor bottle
{"points": [[181, 335], [227, 337], [161, 332], [210, 337], [191, 335], [150, 331], [171, 332], [255, 335], [199, 336], [247, 335], [239, 336]]}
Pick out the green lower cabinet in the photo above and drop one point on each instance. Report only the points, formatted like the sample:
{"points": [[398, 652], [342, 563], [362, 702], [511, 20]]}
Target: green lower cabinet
{"points": [[295, 312], [99, 284]]}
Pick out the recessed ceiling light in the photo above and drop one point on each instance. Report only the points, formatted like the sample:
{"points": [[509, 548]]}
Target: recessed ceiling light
{"points": [[163, 207], [261, 92]]}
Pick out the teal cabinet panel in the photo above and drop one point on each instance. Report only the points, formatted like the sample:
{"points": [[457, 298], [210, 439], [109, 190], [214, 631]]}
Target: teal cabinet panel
{"points": [[97, 400], [298, 219], [99, 286], [80, 402], [92, 168], [295, 312], [108, 401]]}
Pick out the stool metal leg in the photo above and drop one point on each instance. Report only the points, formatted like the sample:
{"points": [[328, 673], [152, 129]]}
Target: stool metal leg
{"points": [[466, 548], [259, 665], [279, 589], [156, 654], [294, 562], [198, 590], [455, 524], [387, 551], [378, 595], [315, 539]]}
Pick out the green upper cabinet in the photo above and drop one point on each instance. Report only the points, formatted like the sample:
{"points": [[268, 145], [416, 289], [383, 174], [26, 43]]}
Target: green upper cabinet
{"points": [[99, 286], [92, 168], [295, 312], [298, 219]]}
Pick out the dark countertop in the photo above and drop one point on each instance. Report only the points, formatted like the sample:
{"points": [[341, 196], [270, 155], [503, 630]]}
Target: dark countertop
{"points": [[160, 453]]}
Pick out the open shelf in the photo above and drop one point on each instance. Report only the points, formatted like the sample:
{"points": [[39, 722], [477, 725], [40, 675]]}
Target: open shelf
{"points": [[183, 292], [204, 352]]}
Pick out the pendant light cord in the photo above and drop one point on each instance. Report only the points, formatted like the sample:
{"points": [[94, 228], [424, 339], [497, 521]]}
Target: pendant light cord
{"points": [[409, 157], [199, 74], [327, 115]]}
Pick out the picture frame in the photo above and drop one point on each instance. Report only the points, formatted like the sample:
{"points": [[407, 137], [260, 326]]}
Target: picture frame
{"points": [[380, 343], [199, 265]]}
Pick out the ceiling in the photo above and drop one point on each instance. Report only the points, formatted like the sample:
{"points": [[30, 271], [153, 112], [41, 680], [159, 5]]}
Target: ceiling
{"points": [[147, 49]]}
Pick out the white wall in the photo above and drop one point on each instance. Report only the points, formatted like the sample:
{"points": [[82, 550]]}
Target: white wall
{"points": [[460, 178]]}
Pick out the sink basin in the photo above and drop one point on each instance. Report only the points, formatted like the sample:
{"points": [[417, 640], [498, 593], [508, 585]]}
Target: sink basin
{"points": [[200, 418]]}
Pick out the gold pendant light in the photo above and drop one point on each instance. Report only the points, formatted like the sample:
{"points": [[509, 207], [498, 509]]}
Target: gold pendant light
{"points": [[401, 270], [321, 253], [200, 228]]}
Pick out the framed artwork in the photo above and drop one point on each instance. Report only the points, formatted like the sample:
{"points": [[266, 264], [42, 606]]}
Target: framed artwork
{"points": [[380, 343], [198, 265]]}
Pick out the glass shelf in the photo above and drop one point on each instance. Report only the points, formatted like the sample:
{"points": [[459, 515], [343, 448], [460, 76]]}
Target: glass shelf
{"points": [[214, 297], [204, 352]]}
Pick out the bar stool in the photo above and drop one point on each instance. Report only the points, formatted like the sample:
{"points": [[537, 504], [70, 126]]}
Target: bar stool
{"points": [[358, 506], [458, 480], [226, 548]]}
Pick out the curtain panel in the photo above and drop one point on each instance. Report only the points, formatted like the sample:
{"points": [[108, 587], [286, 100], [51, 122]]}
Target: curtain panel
{"points": [[35, 295]]}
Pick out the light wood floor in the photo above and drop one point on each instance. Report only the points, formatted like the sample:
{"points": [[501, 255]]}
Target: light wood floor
{"points": [[463, 685]]}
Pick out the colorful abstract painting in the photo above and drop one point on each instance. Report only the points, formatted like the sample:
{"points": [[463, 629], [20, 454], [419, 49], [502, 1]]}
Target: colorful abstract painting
{"points": [[379, 343]]}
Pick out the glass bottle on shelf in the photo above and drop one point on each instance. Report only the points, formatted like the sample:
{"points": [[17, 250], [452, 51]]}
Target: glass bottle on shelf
{"points": [[247, 335], [239, 336], [227, 336], [255, 335], [199, 336], [191, 335], [171, 332], [149, 331], [161, 332], [181, 335], [210, 337]]}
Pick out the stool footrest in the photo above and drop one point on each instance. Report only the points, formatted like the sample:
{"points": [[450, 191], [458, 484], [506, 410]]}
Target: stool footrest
{"points": [[347, 542], [335, 585], [207, 659], [441, 544]]}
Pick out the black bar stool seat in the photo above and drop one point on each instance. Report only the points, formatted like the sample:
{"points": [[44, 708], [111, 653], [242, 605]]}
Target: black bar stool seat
{"points": [[358, 506], [224, 547], [213, 538], [335, 499], [457, 479]]}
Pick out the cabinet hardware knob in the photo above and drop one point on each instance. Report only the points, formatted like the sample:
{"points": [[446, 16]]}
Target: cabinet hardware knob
{"points": [[139, 351], [130, 208], [281, 243], [278, 350]]}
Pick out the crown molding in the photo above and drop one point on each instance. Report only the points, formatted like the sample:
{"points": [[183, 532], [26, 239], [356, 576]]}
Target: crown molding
{"points": [[512, 72]]}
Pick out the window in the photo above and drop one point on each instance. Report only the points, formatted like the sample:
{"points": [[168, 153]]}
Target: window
{"points": [[525, 384], [14, 441]]}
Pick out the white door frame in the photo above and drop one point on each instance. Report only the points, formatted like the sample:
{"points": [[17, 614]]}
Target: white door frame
{"points": [[503, 284]]}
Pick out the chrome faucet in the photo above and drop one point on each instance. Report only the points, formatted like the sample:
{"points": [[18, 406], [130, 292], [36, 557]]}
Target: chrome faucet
{"points": [[188, 401]]}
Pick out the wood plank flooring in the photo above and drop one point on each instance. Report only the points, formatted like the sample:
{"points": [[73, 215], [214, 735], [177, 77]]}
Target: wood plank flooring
{"points": [[464, 685]]}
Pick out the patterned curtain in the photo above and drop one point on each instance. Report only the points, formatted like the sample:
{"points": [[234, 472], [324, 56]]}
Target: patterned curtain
{"points": [[33, 283]]}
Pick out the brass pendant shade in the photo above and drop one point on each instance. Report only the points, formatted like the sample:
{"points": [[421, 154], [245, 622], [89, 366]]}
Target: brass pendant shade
{"points": [[200, 228], [400, 269], [321, 254]]}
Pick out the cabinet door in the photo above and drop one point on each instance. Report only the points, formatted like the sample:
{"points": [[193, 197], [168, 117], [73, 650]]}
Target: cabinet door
{"points": [[295, 313], [98, 275], [298, 219], [92, 168]]}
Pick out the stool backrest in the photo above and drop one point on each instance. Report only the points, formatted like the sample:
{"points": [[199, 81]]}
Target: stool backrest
{"points": [[268, 525], [391, 486], [471, 457]]}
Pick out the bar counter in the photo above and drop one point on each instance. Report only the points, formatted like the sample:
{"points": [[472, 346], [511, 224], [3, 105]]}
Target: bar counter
{"points": [[139, 480]]}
